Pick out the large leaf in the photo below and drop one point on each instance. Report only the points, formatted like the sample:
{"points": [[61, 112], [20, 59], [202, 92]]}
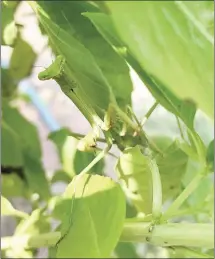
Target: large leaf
{"points": [[68, 17], [95, 221], [171, 44], [184, 109]]}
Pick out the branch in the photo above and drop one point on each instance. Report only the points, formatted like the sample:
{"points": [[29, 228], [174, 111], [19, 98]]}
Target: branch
{"points": [[171, 234]]}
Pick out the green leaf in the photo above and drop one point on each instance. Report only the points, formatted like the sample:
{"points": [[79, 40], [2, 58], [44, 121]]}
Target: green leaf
{"points": [[172, 167], [8, 85], [171, 34], [11, 147], [97, 218], [202, 197], [8, 210], [184, 109], [35, 175], [25, 131], [113, 66], [9, 29], [27, 148], [22, 59], [13, 186], [126, 250], [210, 154], [133, 168], [73, 160]]}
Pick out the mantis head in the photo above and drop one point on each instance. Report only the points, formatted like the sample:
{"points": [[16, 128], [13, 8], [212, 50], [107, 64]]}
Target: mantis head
{"points": [[54, 70]]}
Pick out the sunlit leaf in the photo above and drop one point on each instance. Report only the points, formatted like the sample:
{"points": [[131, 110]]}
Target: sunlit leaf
{"points": [[184, 109], [96, 218], [172, 44]]}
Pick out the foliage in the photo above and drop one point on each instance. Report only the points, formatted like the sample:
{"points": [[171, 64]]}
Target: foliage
{"points": [[96, 44]]}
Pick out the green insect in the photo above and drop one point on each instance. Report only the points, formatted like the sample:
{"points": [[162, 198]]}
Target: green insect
{"points": [[60, 72]]}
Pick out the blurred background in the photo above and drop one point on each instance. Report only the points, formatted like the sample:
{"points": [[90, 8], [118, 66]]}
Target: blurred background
{"points": [[49, 109]]}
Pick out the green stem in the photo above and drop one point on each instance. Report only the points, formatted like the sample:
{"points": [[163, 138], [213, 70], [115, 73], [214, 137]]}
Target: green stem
{"points": [[171, 234], [184, 195], [21, 214], [95, 161], [149, 112], [180, 128], [108, 153], [157, 190]]}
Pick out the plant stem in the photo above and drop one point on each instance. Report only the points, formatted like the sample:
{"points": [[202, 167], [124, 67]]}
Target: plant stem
{"points": [[184, 195], [157, 190], [21, 214], [171, 234], [149, 112], [180, 128]]}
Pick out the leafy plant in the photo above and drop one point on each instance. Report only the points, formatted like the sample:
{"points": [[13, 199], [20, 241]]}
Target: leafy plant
{"points": [[160, 180]]}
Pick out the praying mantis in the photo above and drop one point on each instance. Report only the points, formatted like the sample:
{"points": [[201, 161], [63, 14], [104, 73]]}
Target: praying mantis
{"points": [[59, 71]]}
